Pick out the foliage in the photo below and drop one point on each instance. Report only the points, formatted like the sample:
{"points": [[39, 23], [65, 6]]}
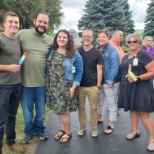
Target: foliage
{"points": [[149, 20], [114, 15], [27, 10], [20, 134], [125, 49]]}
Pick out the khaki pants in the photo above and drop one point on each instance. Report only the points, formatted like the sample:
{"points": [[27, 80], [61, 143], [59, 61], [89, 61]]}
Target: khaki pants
{"points": [[92, 94]]}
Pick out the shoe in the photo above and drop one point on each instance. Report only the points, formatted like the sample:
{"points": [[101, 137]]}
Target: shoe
{"points": [[43, 136], [59, 135], [94, 132], [151, 144], [100, 118], [65, 138], [133, 135], [81, 131], [27, 139], [108, 130], [118, 112], [16, 147]]}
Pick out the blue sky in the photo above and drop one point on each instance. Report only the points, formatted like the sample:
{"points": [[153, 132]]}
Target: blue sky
{"points": [[73, 10]]}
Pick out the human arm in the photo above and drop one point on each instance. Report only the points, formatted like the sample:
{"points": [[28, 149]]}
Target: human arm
{"points": [[99, 75], [114, 63], [78, 74], [149, 74], [10, 68]]}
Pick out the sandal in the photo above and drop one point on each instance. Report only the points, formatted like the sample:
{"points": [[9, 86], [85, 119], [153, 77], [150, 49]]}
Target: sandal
{"points": [[59, 135], [133, 135], [151, 144], [108, 130], [65, 138]]}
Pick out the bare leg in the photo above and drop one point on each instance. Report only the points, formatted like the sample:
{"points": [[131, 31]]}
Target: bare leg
{"points": [[149, 126], [100, 118], [134, 122], [65, 123]]}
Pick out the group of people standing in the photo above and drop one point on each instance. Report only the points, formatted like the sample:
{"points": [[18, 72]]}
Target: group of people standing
{"points": [[56, 73]]}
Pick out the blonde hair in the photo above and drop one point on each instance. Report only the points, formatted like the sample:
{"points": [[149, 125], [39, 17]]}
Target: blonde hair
{"points": [[145, 40], [135, 35]]}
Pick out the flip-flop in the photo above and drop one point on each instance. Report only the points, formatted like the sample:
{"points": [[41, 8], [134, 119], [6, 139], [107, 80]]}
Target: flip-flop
{"points": [[100, 121], [151, 143], [133, 135], [59, 135], [65, 138], [110, 128]]}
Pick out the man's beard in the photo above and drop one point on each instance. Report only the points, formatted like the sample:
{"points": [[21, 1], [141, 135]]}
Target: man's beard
{"points": [[37, 30]]}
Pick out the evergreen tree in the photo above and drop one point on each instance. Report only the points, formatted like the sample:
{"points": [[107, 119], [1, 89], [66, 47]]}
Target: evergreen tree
{"points": [[27, 9], [114, 15], [149, 20]]}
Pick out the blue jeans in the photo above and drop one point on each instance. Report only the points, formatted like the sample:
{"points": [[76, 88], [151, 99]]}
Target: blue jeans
{"points": [[9, 102], [31, 96]]}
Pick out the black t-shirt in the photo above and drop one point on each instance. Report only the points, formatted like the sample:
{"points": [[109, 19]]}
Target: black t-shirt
{"points": [[91, 59]]}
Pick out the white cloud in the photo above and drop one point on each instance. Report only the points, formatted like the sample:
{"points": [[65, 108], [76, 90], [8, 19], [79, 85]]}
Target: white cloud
{"points": [[73, 10], [138, 8]]}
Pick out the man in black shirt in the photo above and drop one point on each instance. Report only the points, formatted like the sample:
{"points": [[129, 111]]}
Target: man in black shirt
{"points": [[90, 83]]}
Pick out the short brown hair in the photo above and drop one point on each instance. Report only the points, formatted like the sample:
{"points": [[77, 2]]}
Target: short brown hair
{"points": [[105, 31], [9, 14], [42, 12]]}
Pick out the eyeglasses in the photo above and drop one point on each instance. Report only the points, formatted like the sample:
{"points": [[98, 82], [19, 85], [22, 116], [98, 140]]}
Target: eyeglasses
{"points": [[129, 42], [87, 37]]}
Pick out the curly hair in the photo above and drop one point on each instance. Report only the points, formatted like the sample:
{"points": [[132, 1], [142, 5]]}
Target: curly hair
{"points": [[70, 48], [135, 35]]}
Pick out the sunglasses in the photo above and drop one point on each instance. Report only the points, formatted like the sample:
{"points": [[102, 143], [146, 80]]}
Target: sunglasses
{"points": [[129, 42]]}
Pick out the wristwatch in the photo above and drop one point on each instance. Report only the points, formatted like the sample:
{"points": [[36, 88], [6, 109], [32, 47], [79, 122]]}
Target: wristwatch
{"points": [[138, 79]]}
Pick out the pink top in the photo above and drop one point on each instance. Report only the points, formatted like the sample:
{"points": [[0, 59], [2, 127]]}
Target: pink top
{"points": [[118, 47]]}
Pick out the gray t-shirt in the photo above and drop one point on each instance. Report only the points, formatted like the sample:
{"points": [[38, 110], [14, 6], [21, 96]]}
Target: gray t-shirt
{"points": [[10, 53]]}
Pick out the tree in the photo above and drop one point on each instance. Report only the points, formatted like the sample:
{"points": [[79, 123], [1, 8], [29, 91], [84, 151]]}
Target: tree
{"points": [[114, 15], [149, 20], [27, 9]]}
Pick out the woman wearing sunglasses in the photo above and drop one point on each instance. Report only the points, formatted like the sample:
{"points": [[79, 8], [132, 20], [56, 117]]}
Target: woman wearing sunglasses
{"points": [[136, 92]]}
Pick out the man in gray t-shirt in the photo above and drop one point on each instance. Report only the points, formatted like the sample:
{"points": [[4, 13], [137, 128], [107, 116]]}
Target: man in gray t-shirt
{"points": [[10, 88]]}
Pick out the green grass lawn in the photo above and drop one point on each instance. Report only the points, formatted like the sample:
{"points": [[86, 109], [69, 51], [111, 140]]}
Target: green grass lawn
{"points": [[20, 134]]}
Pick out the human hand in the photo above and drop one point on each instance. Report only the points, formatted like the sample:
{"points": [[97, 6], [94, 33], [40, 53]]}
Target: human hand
{"points": [[71, 92], [130, 79], [14, 68], [110, 85]]}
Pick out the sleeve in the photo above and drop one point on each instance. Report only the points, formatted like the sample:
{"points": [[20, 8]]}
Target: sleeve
{"points": [[79, 69], [145, 58], [114, 67], [99, 58]]}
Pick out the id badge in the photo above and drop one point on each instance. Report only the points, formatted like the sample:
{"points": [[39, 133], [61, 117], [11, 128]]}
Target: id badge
{"points": [[73, 69], [135, 62]]}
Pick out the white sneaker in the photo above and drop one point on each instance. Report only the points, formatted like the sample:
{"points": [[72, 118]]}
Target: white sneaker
{"points": [[94, 132], [81, 131]]}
